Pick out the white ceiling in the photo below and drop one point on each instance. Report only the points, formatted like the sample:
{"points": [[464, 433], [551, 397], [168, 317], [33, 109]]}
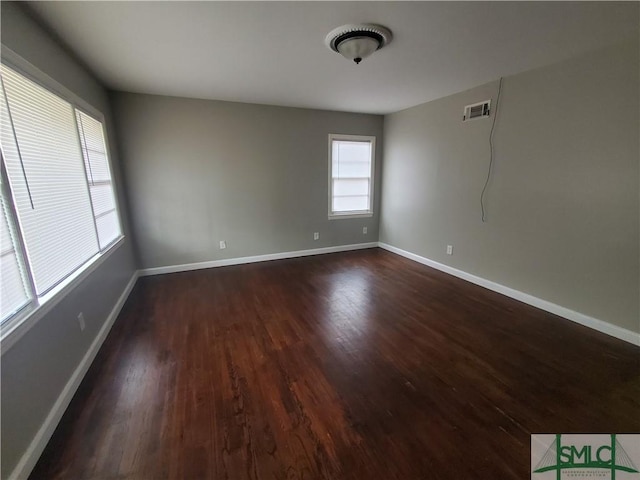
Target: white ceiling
{"points": [[274, 52]]}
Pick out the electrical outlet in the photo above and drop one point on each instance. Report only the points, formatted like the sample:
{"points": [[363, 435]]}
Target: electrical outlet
{"points": [[223, 244], [316, 235], [364, 230], [449, 249], [81, 321]]}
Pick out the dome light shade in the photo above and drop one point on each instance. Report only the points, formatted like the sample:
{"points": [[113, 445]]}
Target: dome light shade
{"points": [[357, 48], [356, 42]]}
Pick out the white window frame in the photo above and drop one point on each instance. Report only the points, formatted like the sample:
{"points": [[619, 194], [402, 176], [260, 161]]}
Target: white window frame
{"points": [[22, 321], [352, 138]]}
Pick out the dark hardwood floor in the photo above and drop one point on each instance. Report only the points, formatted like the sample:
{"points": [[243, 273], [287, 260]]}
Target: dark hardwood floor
{"points": [[359, 365]]}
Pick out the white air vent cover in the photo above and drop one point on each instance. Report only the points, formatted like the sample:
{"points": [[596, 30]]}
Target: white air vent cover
{"points": [[477, 110]]}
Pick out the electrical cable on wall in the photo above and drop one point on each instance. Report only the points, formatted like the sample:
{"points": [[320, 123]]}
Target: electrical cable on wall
{"points": [[486, 183]]}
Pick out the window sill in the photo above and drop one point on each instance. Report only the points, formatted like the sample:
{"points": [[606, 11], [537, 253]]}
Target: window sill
{"points": [[338, 216], [23, 321]]}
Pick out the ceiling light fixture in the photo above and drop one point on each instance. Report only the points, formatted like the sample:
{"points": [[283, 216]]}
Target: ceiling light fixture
{"points": [[356, 42]]}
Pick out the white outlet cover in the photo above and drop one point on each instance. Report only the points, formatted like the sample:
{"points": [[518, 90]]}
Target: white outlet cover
{"points": [[364, 230], [223, 244], [316, 235], [449, 249]]}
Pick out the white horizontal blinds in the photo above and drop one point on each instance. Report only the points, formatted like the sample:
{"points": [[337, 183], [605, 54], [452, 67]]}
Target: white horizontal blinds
{"points": [[96, 163], [13, 285], [351, 176], [45, 169]]}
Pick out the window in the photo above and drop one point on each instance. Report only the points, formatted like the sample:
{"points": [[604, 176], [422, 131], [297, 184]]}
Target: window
{"points": [[94, 153], [56, 185], [351, 166], [14, 291]]}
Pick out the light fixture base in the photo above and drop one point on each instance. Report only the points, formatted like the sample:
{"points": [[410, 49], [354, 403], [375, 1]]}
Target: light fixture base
{"points": [[358, 41]]}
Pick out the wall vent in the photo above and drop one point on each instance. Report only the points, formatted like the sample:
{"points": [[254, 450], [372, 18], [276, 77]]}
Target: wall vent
{"points": [[477, 110]]}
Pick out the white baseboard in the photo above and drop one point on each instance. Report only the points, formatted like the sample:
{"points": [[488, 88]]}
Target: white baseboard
{"points": [[256, 258], [42, 437], [582, 319]]}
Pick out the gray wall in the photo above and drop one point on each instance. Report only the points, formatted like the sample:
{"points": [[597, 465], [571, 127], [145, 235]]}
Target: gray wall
{"points": [[255, 176], [562, 203], [36, 369]]}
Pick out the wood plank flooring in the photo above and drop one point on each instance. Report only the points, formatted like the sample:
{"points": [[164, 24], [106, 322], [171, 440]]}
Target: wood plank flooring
{"points": [[358, 365]]}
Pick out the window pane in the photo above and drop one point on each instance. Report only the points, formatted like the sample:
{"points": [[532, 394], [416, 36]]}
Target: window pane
{"points": [[13, 290], [108, 228], [351, 159], [354, 151], [359, 186], [98, 167], [352, 170], [12, 293], [350, 204], [102, 198], [45, 168], [94, 152]]}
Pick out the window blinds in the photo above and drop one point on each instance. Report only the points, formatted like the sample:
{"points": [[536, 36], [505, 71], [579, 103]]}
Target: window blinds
{"points": [[13, 290], [96, 164], [351, 176], [46, 172]]}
